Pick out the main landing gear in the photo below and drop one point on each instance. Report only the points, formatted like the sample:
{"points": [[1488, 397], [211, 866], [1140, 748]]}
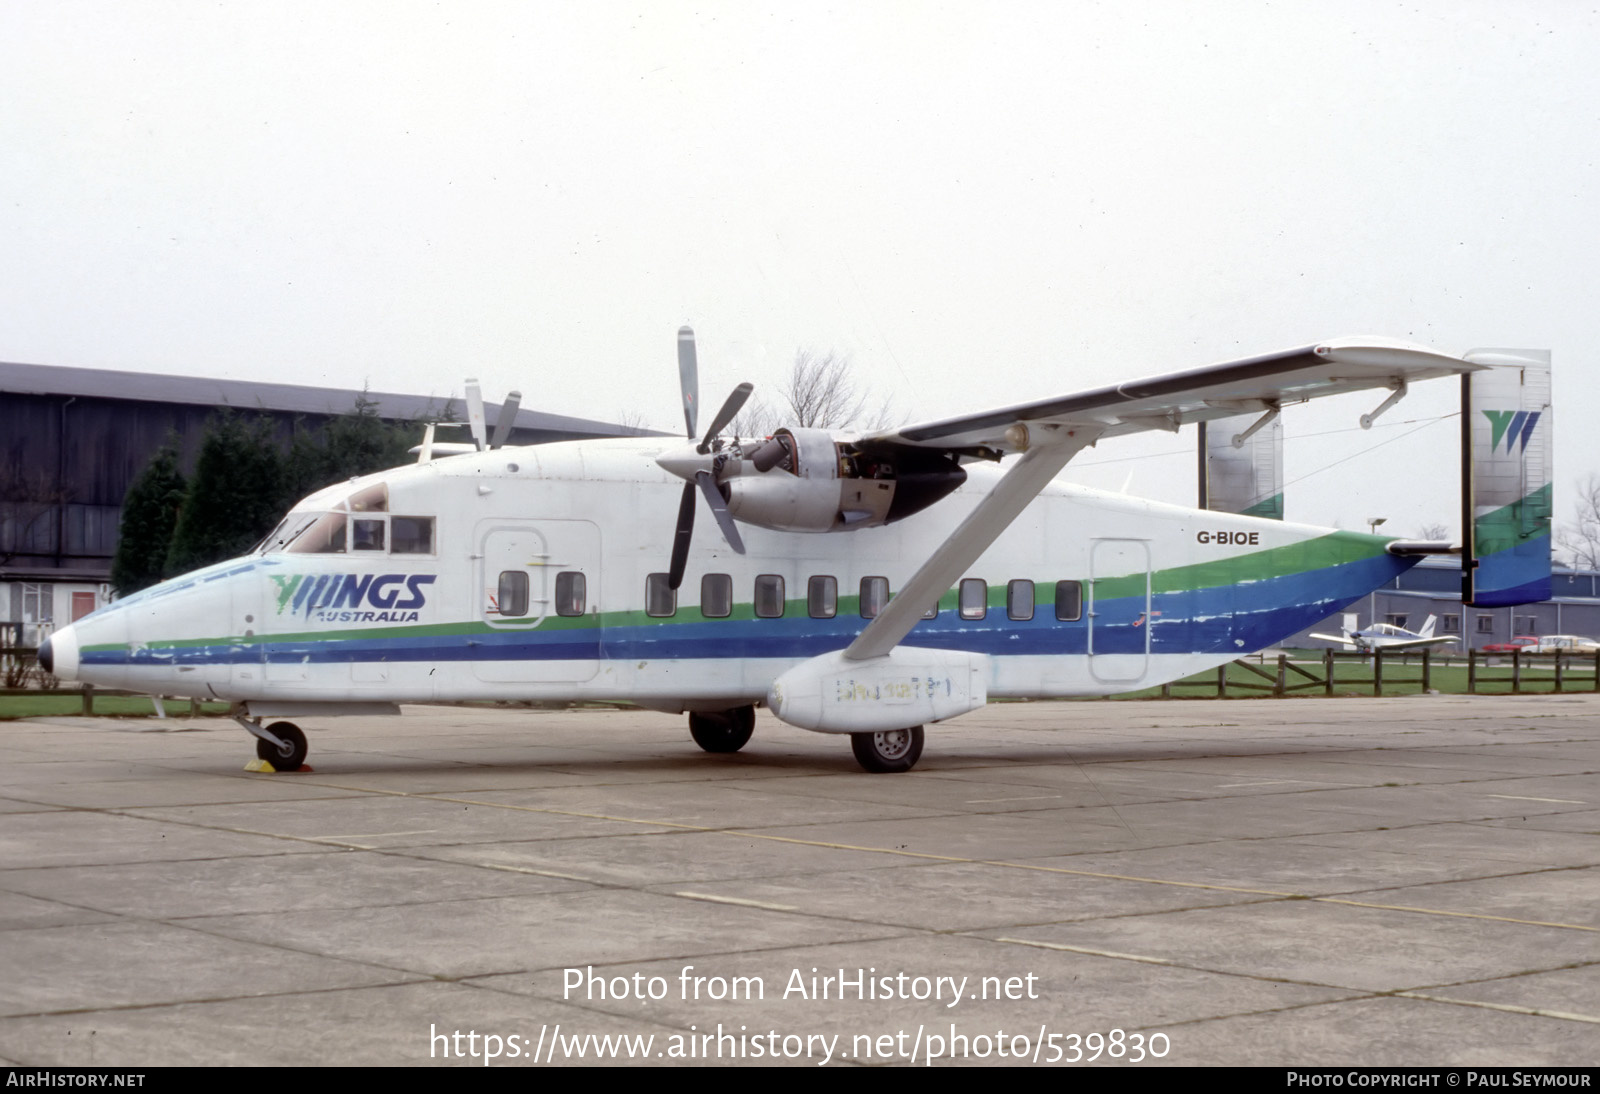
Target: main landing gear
{"points": [[722, 730], [281, 744], [889, 751]]}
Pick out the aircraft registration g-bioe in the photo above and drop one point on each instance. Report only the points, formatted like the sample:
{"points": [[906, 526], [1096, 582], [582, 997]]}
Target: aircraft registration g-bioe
{"points": [[863, 584]]}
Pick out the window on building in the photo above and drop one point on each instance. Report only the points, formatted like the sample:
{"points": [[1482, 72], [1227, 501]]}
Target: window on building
{"points": [[716, 596], [1069, 600], [874, 596], [822, 596], [1019, 599], [973, 600], [1485, 624], [571, 593], [1450, 623], [37, 602], [512, 596], [769, 596], [660, 598], [1396, 619], [1526, 624]]}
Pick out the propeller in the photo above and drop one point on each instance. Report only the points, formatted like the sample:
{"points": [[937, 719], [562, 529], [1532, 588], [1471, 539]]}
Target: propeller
{"points": [[700, 472]]}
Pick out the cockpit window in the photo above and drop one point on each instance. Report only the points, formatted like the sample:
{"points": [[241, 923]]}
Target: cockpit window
{"points": [[287, 531], [367, 534], [325, 537], [371, 499], [411, 535]]}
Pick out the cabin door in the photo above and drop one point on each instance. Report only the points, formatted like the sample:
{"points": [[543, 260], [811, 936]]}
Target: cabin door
{"points": [[1119, 610], [538, 588]]}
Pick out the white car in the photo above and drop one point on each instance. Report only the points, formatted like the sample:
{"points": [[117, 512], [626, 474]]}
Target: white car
{"points": [[1566, 643]]}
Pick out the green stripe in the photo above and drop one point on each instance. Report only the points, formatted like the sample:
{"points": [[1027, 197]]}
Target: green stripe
{"points": [[1513, 525]]}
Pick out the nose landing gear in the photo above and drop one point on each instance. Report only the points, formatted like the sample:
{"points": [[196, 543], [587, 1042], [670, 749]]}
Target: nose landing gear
{"points": [[282, 744]]}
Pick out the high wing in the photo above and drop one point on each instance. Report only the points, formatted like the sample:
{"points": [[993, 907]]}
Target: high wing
{"points": [[1347, 640], [1048, 433]]}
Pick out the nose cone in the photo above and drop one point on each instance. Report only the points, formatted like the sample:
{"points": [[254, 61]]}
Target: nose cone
{"points": [[58, 654], [684, 462]]}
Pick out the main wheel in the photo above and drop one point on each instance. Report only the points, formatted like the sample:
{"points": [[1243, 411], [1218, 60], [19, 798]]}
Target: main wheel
{"points": [[283, 759], [888, 752], [722, 730]]}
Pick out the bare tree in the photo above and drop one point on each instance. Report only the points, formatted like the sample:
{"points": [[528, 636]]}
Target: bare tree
{"points": [[25, 502], [1434, 531], [1579, 542], [820, 392]]}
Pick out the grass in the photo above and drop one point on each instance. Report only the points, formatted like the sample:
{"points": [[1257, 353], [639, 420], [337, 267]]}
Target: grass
{"points": [[114, 706]]}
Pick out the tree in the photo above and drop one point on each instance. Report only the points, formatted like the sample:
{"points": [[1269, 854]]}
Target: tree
{"points": [[1579, 542], [819, 393], [356, 443], [149, 515], [235, 496], [27, 502]]}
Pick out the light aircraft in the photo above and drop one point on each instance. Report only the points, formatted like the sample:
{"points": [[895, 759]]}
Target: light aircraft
{"points": [[545, 573], [1388, 636]]}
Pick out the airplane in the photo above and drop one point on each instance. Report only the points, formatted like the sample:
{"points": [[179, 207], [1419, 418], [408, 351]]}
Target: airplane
{"points": [[1388, 636], [544, 572]]}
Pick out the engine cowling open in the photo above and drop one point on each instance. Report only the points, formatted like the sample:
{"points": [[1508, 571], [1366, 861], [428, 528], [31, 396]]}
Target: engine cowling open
{"points": [[814, 482]]}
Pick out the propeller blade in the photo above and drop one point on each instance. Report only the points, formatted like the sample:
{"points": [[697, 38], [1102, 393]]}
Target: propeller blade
{"points": [[719, 509], [688, 379], [731, 407], [680, 540], [508, 415], [475, 413]]}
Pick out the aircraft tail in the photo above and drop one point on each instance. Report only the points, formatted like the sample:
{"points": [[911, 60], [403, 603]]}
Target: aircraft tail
{"points": [[1427, 627], [1506, 478]]}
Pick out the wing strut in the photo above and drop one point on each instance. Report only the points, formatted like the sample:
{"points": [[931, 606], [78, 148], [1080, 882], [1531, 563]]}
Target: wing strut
{"points": [[1010, 496]]}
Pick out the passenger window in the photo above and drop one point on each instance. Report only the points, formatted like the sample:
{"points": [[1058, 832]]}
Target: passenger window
{"points": [[512, 600], [974, 600], [1019, 599], [571, 593], [716, 596], [366, 534], [1069, 600], [769, 596], [874, 596], [411, 535], [822, 597], [660, 598]]}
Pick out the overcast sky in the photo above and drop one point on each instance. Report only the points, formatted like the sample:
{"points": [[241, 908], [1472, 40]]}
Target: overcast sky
{"points": [[979, 203]]}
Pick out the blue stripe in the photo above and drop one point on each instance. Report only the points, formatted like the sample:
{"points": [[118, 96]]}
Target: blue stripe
{"points": [[1226, 619]]}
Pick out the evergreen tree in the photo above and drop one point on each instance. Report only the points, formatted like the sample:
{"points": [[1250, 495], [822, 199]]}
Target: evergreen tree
{"points": [[149, 514], [356, 443], [235, 496]]}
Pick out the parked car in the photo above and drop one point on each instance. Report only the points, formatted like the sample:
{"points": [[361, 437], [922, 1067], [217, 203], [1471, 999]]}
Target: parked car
{"points": [[1524, 642], [1566, 643]]}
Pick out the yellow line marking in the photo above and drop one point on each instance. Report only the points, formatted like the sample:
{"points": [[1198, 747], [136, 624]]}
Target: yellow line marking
{"points": [[1086, 950], [1508, 1007], [738, 900]]}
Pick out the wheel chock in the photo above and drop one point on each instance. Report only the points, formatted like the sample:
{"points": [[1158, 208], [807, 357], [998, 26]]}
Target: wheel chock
{"points": [[265, 768]]}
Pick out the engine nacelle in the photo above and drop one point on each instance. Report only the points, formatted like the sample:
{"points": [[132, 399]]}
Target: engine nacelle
{"points": [[908, 687], [819, 484]]}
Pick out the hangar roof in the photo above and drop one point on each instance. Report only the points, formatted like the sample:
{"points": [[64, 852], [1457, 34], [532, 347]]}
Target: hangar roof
{"points": [[253, 395]]}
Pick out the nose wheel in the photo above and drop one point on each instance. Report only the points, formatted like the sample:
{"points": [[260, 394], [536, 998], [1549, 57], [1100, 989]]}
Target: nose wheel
{"points": [[888, 752], [280, 744]]}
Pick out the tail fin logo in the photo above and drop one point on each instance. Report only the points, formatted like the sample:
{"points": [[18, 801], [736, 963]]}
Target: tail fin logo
{"points": [[1515, 426]]}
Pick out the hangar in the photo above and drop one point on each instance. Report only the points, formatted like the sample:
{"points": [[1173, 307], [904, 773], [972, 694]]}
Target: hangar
{"points": [[74, 439]]}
